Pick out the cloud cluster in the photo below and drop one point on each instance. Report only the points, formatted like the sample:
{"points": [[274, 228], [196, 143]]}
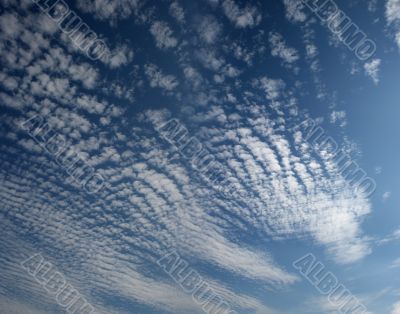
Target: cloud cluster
{"points": [[107, 245]]}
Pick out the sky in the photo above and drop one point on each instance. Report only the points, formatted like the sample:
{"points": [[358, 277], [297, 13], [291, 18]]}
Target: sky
{"points": [[244, 80]]}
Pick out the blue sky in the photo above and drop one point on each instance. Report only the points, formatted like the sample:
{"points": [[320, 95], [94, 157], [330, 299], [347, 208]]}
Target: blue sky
{"points": [[239, 76]]}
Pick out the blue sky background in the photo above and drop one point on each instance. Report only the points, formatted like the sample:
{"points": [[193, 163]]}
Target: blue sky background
{"points": [[231, 72]]}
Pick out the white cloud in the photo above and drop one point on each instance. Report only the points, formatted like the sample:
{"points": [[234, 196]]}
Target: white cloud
{"points": [[338, 117], [209, 29], [311, 50], [372, 69], [11, 306], [110, 10], [193, 76], [294, 10], [386, 196], [210, 59], [280, 49], [396, 308], [395, 263], [324, 305], [394, 236], [243, 262], [241, 17], [163, 35], [393, 17], [273, 87], [10, 25], [177, 12], [372, 5], [158, 79], [392, 10], [121, 55]]}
